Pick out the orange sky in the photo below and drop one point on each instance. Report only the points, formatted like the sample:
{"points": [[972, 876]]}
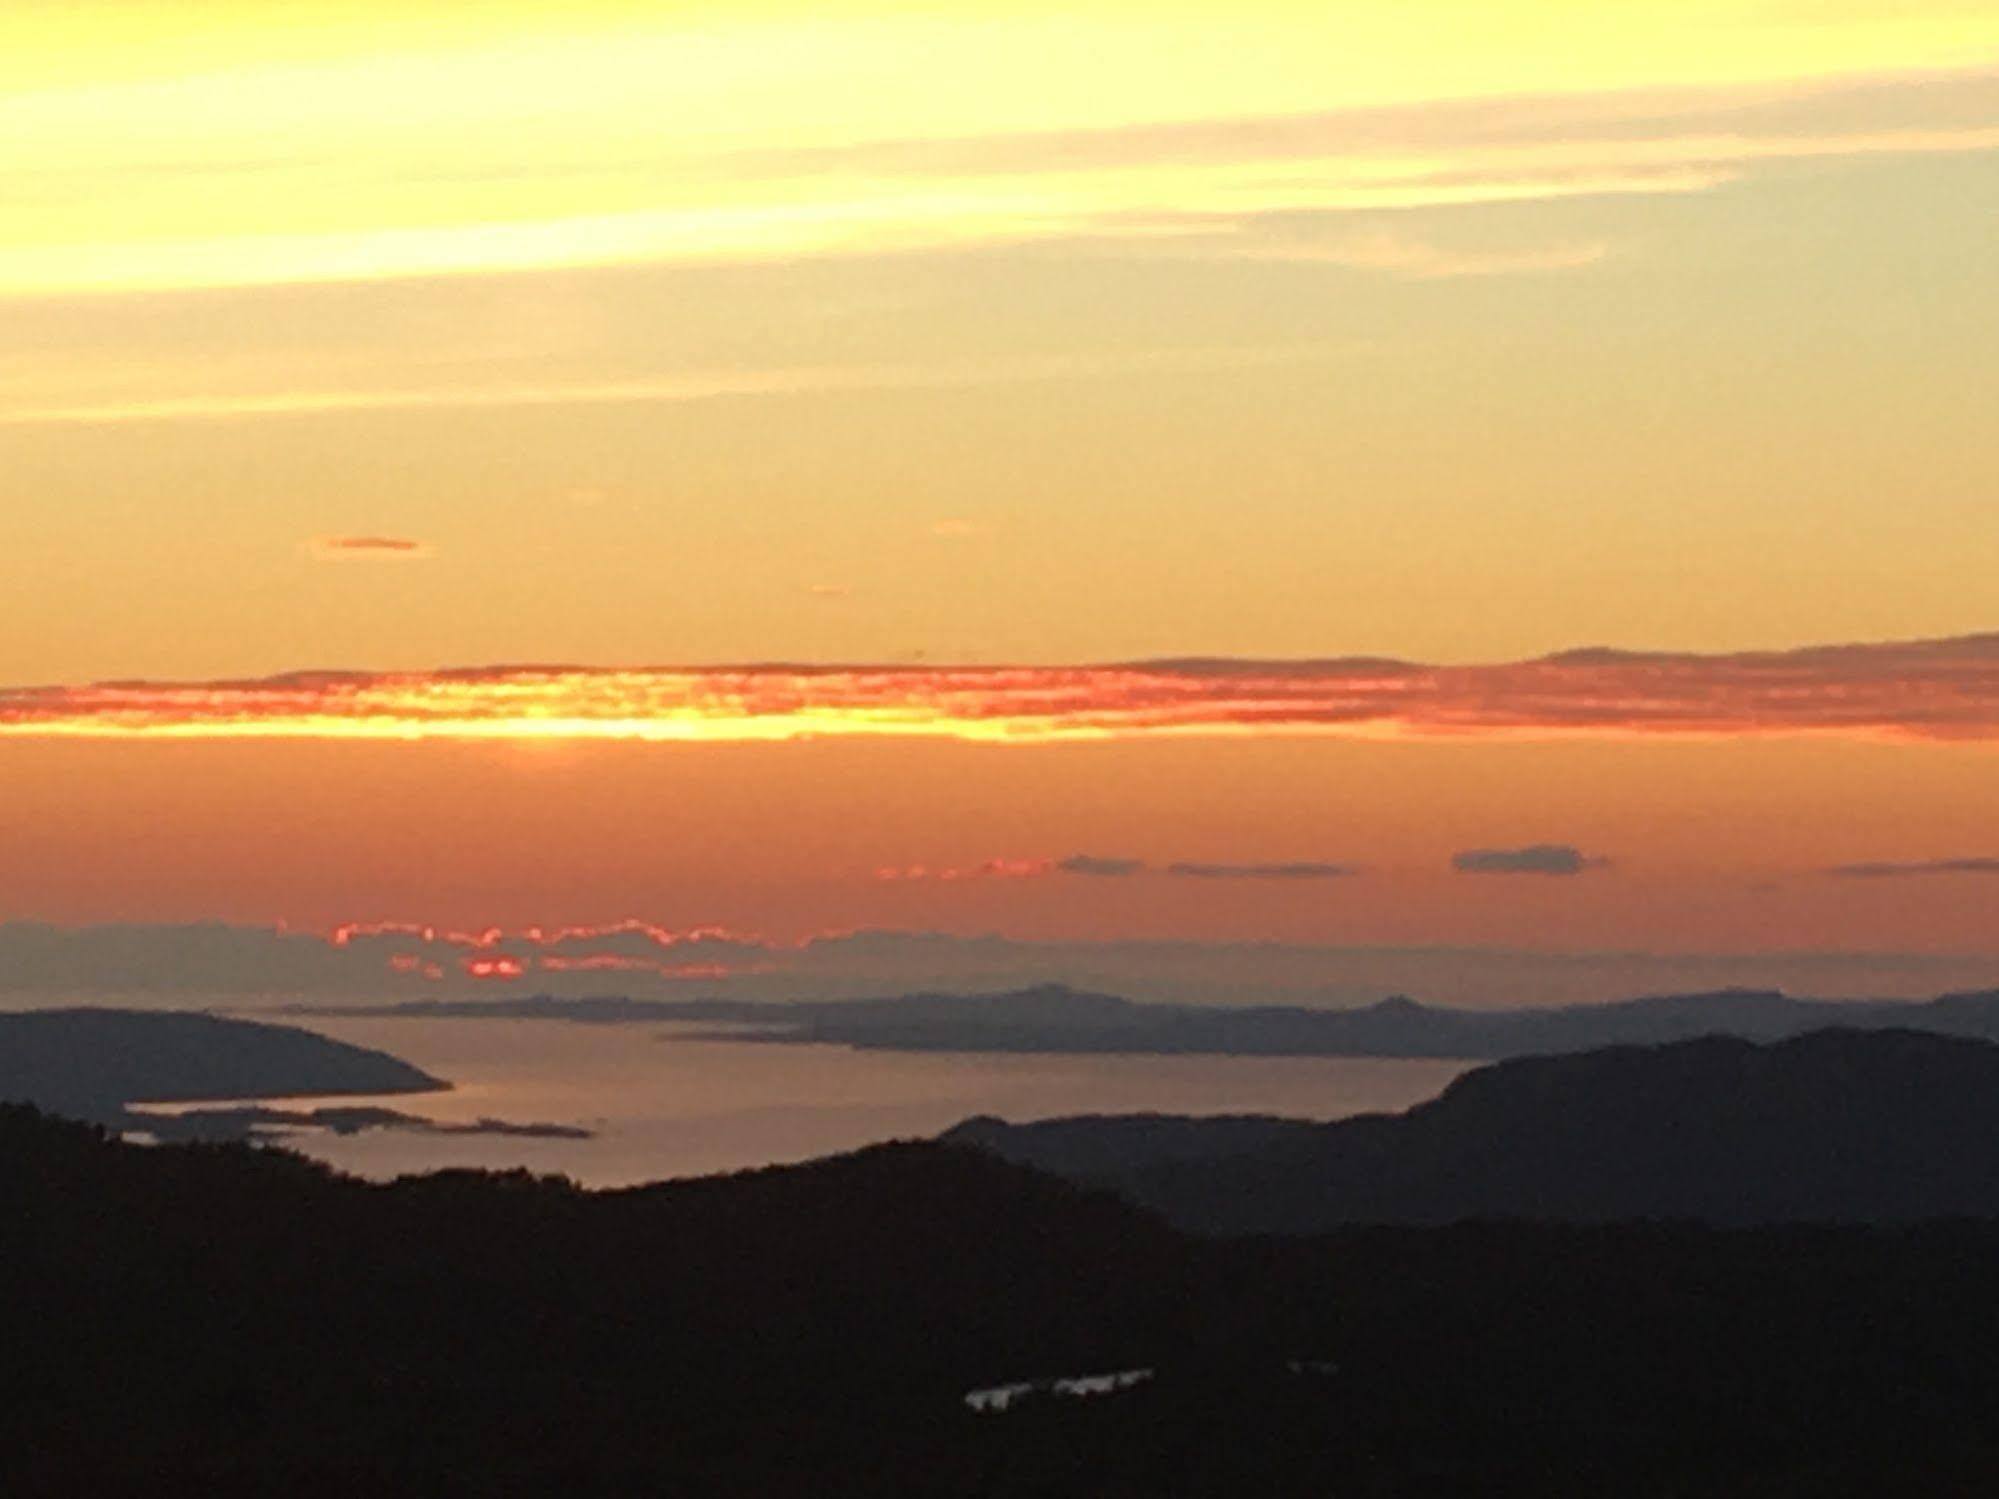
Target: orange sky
{"points": [[368, 338], [1710, 845]]}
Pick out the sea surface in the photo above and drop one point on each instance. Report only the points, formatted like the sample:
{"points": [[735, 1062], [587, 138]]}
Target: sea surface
{"points": [[667, 1102]]}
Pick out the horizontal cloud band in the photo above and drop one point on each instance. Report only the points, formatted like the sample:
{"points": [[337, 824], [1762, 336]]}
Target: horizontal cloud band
{"points": [[1938, 690]]}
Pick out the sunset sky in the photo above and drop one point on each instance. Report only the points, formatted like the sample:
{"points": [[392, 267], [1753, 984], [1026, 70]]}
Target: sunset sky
{"points": [[1461, 472]]}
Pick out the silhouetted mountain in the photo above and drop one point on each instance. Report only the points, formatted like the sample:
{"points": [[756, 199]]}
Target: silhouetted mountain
{"points": [[1105, 1147], [90, 1063], [1840, 1126], [1054, 1018]]}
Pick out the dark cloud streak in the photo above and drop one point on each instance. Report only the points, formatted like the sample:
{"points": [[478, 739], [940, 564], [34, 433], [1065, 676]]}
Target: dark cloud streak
{"points": [[1534, 859], [1889, 869], [1090, 864], [1299, 871]]}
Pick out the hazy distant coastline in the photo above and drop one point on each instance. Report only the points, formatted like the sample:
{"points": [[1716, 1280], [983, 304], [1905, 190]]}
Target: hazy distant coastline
{"points": [[1057, 1019], [213, 963]]}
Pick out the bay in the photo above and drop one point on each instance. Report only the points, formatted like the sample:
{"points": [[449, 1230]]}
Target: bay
{"points": [[666, 1101]]}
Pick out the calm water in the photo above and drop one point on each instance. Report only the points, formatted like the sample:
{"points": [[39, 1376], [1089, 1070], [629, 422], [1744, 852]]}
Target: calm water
{"points": [[668, 1105]]}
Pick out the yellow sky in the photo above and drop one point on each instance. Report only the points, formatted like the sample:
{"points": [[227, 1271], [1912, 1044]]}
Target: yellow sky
{"points": [[166, 145]]}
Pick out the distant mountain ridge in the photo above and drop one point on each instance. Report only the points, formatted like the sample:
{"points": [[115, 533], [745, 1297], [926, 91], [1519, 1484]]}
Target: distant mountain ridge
{"points": [[1833, 1126], [1055, 1018]]}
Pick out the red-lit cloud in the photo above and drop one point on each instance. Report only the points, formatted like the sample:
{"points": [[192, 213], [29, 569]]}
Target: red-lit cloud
{"points": [[631, 932], [1936, 689], [422, 950]]}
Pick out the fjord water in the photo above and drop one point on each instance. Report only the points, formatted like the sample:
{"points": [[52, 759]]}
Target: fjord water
{"points": [[669, 1101]]}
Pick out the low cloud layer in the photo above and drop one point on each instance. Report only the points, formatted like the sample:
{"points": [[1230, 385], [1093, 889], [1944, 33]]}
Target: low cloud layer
{"points": [[208, 965], [1916, 690], [1885, 870], [1536, 858]]}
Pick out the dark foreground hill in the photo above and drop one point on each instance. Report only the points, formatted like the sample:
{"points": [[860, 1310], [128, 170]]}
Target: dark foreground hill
{"points": [[218, 1320], [1836, 1126], [90, 1063]]}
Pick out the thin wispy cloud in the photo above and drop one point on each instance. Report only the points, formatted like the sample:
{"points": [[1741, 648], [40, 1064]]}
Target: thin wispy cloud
{"points": [[706, 386], [1914, 868], [1296, 871], [928, 192], [1257, 172], [367, 548], [1742, 120], [1414, 259], [1534, 859], [1934, 690]]}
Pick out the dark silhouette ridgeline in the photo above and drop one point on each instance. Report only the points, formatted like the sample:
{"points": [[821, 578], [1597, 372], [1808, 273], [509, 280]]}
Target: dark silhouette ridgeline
{"points": [[219, 1319]]}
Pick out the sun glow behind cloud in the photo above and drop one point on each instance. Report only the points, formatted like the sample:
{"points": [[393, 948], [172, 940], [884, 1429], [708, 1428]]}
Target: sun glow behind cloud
{"points": [[1945, 689]]}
